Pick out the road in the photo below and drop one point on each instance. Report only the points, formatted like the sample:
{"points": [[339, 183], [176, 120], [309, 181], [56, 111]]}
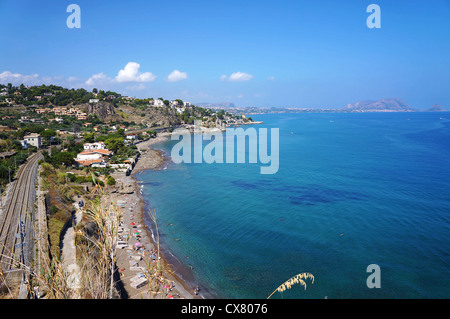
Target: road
{"points": [[19, 208]]}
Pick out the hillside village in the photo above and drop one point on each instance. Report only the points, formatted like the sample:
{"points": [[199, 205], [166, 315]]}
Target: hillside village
{"points": [[34, 117]]}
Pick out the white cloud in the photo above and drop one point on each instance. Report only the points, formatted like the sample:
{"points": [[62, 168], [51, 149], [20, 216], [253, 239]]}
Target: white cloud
{"points": [[271, 78], [99, 78], [177, 76], [17, 78], [130, 73], [237, 77], [72, 79]]}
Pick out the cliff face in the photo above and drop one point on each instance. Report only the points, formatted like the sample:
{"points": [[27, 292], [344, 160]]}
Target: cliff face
{"points": [[103, 110]]}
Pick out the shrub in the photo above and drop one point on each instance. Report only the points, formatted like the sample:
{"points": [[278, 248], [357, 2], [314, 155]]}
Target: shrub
{"points": [[111, 180]]}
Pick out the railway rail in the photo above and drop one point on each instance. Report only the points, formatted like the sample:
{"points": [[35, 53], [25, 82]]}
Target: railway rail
{"points": [[17, 217]]}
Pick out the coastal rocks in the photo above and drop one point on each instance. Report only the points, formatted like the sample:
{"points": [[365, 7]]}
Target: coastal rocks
{"points": [[123, 188], [149, 159], [127, 189], [138, 281]]}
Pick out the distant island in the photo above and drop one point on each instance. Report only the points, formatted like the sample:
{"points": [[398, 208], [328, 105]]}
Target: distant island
{"points": [[382, 105], [436, 108]]}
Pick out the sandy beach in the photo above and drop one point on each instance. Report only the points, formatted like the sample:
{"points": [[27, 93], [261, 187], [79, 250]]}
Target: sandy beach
{"points": [[133, 260]]}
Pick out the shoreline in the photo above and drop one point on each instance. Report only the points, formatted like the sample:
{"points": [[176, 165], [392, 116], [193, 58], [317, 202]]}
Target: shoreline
{"points": [[134, 209]]}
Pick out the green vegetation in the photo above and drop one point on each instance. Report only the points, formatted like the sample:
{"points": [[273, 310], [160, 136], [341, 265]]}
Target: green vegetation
{"points": [[51, 95], [58, 201], [19, 107]]}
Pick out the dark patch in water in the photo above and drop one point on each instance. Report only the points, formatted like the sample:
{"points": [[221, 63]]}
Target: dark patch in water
{"points": [[318, 195], [246, 185], [303, 195], [152, 183]]}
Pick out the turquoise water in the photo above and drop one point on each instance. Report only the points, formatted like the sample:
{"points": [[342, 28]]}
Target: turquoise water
{"points": [[351, 190]]}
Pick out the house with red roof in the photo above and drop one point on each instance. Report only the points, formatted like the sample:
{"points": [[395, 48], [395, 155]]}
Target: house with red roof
{"points": [[92, 156]]}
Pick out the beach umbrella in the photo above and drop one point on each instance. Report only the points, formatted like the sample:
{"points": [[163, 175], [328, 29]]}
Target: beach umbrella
{"points": [[132, 224], [137, 244], [170, 296]]}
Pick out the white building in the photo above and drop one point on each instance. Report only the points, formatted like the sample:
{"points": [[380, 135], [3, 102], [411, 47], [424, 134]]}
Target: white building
{"points": [[92, 157], [93, 100], [94, 146], [93, 154], [158, 103], [88, 156], [132, 137], [32, 140]]}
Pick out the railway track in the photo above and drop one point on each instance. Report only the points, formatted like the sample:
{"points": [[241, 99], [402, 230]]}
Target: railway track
{"points": [[17, 217]]}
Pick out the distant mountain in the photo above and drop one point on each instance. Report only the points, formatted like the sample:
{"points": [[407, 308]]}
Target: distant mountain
{"points": [[436, 108], [383, 105], [222, 105]]}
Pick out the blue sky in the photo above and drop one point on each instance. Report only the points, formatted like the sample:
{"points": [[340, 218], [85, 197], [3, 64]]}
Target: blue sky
{"points": [[264, 53]]}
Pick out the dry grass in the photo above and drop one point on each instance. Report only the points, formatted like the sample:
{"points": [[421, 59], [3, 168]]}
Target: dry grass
{"points": [[52, 280], [297, 279], [96, 239], [96, 259], [98, 254]]}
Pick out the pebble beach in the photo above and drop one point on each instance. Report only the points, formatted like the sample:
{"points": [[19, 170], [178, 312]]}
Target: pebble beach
{"points": [[137, 247]]}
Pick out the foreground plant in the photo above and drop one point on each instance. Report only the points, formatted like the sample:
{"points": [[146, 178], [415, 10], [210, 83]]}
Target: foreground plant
{"points": [[99, 255], [297, 279]]}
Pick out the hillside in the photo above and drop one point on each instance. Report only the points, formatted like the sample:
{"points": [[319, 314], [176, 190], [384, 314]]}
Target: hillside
{"points": [[62, 109], [382, 105], [436, 108]]}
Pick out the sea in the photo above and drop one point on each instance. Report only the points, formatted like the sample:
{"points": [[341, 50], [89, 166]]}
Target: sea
{"points": [[352, 190]]}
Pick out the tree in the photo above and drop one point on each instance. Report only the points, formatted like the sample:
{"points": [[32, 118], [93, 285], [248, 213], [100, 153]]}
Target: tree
{"points": [[121, 132], [114, 144], [101, 95], [48, 133], [111, 180], [64, 158], [89, 137]]}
